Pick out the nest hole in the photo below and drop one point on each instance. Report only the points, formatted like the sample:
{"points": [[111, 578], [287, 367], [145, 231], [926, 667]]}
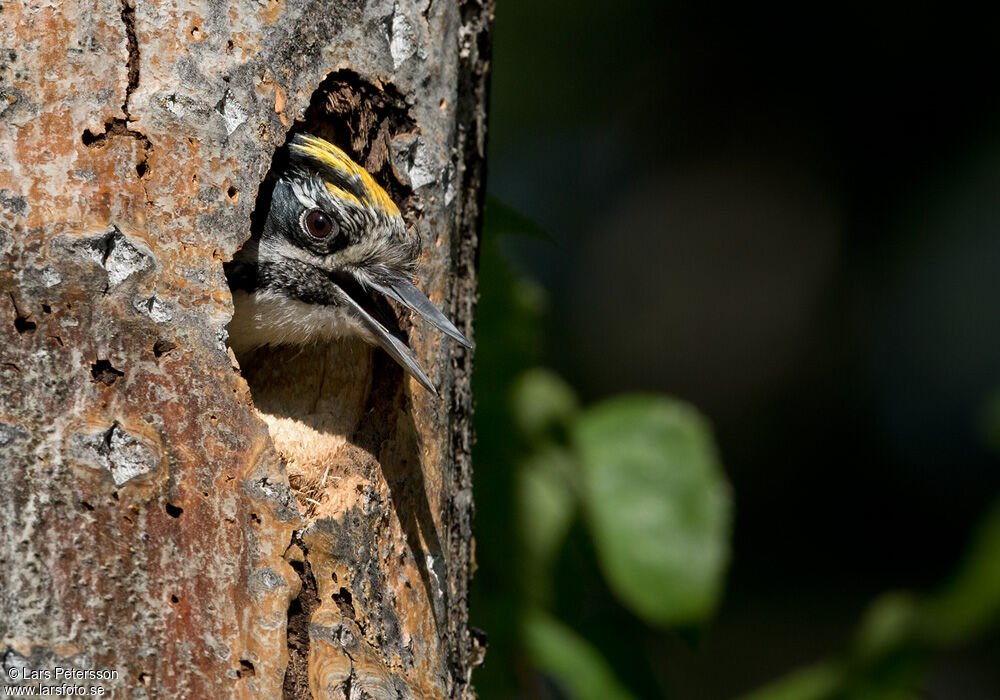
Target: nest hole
{"points": [[313, 397]]}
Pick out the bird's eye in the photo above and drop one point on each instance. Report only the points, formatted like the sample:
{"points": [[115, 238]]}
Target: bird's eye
{"points": [[318, 224]]}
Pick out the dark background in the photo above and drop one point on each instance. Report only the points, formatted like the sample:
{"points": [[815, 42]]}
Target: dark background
{"points": [[788, 216]]}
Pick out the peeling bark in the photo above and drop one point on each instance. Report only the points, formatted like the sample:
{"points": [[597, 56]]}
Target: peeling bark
{"points": [[298, 526]]}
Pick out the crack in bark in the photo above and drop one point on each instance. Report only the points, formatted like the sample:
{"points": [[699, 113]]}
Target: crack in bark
{"points": [[300, 612], [22, 321], [350, 676], [119, 127], [132, 62]]}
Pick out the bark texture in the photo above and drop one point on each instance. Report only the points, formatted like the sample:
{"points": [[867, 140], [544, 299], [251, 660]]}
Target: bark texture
{"points": [[294, 526]]}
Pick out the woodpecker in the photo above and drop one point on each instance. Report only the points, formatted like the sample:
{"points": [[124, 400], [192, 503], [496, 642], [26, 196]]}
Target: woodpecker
{"points": [[328, 248]]}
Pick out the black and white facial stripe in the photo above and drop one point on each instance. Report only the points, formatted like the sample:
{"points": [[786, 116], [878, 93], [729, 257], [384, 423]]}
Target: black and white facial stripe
{"points": [[326, 259]]}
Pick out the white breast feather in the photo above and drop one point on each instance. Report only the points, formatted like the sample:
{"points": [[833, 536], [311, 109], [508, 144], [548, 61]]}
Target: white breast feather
{"points": [[266, 318]]}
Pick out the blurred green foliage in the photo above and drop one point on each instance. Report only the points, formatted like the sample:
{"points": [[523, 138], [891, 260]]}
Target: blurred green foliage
{"points": [[901, 633], [656, 504], [630, 486], [601, 527]]}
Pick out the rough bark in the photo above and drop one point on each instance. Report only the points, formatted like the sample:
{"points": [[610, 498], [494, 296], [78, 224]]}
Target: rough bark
{"points": [[296, 527]]}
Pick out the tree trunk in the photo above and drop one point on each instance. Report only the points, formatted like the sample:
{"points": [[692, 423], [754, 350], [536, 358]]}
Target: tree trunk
{"points": [[174, 524]]}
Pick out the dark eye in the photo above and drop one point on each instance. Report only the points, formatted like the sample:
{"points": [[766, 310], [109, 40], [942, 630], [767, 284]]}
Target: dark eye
{"points": [[318, 224]]}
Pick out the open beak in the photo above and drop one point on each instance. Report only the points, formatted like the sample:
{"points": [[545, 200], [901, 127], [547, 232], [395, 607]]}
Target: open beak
{"points": [[383, 328], [412, 298]]}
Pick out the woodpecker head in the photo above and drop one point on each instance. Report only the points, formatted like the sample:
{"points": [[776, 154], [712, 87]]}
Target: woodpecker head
{"points": [[331, 248]]}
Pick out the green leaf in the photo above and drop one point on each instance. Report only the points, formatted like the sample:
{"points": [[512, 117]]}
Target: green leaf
{"points": [[541, 401], [576, 666], [658, 505], [545, 503]]}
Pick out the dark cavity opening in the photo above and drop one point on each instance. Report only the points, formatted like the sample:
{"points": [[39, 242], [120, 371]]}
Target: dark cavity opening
{"points": [[102, 371], [246, 670], [23, 325], [162, 347], [344, 601]]}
